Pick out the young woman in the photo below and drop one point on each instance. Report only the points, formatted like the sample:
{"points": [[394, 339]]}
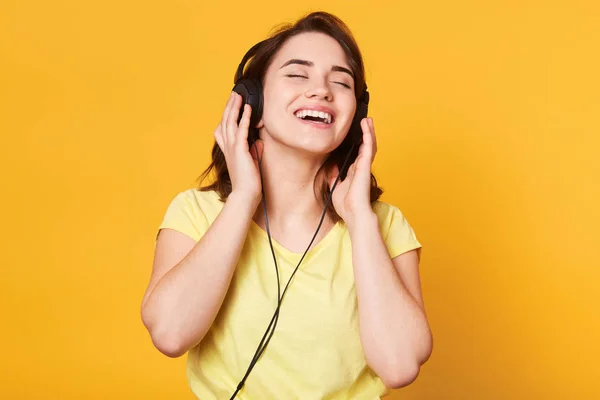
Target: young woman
{"points": [[263, 307]]}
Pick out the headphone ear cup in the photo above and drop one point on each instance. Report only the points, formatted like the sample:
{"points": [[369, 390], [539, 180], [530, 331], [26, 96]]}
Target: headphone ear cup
{"points": [[251, 92]]}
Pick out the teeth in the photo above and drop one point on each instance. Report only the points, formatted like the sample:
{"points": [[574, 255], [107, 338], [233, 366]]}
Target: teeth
{"points": [[315, 114]]}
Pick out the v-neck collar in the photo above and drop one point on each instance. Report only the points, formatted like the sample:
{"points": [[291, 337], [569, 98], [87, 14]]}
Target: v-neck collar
{"points": [[294, 257]]}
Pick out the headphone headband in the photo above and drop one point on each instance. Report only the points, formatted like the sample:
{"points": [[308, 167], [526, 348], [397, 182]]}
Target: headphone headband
{"points": [[240, 71]]}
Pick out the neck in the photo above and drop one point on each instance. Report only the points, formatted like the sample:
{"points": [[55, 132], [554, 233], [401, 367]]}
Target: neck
{"points": [[288, 179]]}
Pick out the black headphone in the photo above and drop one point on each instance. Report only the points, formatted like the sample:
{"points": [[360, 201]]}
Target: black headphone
{"points": [[252, 93]]}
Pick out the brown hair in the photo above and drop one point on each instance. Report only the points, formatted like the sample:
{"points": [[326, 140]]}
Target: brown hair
{"points": [[334, 27]]}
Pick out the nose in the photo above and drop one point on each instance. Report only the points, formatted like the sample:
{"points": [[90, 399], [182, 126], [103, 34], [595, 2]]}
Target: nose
{"points": [[320, 90]]}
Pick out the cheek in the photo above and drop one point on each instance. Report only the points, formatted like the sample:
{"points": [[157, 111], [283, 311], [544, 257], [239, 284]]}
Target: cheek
{"points": [[350, 106], [276, 103]]}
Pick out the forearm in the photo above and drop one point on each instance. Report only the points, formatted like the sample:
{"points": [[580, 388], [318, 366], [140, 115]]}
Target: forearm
{"points": [[184, 303], [393, 327]]}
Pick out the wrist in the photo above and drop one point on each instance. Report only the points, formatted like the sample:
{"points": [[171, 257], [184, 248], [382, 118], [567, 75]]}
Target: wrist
{"points": [[244, 201], [362, 221]]}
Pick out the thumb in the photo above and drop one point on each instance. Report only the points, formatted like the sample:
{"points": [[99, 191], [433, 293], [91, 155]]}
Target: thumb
{"points": [[256, 150], [333, 174]]}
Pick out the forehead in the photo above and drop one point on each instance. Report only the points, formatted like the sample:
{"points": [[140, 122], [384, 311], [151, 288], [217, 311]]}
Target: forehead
{"points": [[317, 47]]}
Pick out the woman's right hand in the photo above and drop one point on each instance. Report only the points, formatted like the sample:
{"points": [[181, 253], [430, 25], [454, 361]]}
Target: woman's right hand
{"points": [[242, 163]]}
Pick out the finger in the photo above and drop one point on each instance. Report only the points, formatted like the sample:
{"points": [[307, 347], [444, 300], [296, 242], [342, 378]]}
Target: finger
{"points": [[373, 136], [364, 128], [225, 115], [232, 126], [352, 169], [332, 176], [218, 135], [367, 145]]}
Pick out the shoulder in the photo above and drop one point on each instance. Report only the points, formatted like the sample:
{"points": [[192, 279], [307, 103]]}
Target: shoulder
{"points": [[386, 212], [397, 233], [191, 211], [206, 202]]}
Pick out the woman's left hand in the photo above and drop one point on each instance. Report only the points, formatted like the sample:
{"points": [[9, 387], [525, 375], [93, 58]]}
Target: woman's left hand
{"points": [[352, 197]]}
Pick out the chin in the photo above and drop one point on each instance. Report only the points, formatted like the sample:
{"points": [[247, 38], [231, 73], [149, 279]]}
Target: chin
{"points": [[315, 145], [308, 139]]}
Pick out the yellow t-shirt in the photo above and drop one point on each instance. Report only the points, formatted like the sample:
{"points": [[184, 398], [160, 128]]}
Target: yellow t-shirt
{"points": [[315, 352]]}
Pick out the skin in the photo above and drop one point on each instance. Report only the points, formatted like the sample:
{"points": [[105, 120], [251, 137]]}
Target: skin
{"points": [[189, 280]]}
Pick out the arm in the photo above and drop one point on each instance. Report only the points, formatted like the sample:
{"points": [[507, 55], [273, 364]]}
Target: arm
{"points": [[190, 280], [393, 326]]}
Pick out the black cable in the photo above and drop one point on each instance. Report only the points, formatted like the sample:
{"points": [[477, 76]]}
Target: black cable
{"points": [[273, 323], [254, 358]]}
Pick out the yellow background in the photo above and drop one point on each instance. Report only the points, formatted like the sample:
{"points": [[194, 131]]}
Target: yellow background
{"points": [[487, 118]]}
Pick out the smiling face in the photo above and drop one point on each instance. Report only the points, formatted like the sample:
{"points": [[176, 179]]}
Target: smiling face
{"points": [[309, 99]]}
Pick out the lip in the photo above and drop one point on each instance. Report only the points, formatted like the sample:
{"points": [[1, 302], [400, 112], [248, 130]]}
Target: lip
{"points": [[318, 125], [318, 108]]}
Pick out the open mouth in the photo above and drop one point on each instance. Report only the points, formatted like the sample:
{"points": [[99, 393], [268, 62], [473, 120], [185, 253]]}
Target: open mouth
{"points": [[319, 117]]}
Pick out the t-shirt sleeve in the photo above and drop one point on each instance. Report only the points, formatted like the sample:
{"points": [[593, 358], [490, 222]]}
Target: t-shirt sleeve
{"points": [[185, 215], [397, 233]]}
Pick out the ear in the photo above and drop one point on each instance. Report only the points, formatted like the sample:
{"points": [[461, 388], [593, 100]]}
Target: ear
{"points": [[260, 124]]}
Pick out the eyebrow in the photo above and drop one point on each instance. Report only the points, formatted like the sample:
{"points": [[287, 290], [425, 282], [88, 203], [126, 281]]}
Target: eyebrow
{"points": [[311, 64]]}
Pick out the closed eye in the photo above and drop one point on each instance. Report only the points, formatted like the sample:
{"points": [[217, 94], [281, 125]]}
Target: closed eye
{"points": [[344, 85], [306, 77]]}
